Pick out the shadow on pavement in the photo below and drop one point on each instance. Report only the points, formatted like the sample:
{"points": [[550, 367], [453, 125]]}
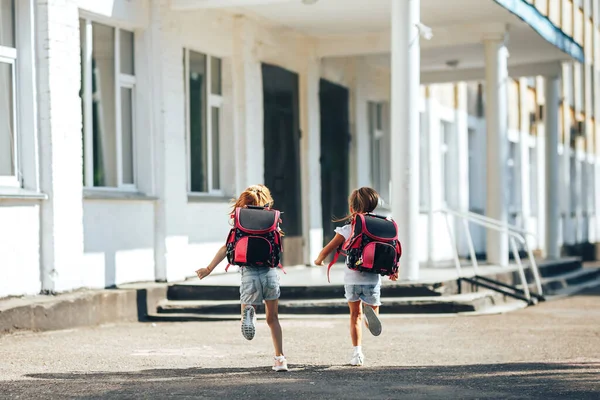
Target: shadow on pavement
{"points": [[497, 381]]}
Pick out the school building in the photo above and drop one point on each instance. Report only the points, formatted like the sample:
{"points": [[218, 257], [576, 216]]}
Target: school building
{"points": [[127, 125]]}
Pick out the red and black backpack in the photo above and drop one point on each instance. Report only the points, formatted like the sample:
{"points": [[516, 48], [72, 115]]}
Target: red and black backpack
{"points": [[255, 239], [373, 246]]}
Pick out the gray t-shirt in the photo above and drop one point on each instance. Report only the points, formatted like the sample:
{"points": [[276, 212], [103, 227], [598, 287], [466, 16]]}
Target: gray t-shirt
{"points": [[356, 277]]}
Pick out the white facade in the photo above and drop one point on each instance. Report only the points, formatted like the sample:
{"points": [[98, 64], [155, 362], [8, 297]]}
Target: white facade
{"points": [[104, 189]]}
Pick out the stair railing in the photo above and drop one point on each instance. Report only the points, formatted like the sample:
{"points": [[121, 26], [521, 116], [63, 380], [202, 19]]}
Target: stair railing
{"points": [[515, 235]]}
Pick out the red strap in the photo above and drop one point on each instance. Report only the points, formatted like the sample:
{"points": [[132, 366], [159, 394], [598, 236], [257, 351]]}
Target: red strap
{"points": [[335, 258], [227, 267], [281, 266]]}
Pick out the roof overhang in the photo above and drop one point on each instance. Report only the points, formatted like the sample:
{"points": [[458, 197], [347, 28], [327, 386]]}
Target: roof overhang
{"points": [[342, 28]]}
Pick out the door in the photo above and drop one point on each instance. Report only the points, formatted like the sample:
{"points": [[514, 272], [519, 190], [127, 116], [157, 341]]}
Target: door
{"points": [[335, 149], [282, 154]]}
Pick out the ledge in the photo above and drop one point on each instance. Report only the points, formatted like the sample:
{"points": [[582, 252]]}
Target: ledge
{"points": [[21, 194], [540, 23], [93, 194], [207, 198]]}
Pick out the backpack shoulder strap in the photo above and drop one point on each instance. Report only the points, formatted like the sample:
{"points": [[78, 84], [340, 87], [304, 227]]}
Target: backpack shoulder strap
{"points": [[335, 258]]}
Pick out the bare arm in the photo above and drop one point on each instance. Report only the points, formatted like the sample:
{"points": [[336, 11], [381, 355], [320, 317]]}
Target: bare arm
{"points": [[220, 256], [336, 242]]}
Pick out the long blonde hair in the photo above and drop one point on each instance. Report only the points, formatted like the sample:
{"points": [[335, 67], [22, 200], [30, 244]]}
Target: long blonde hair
{"points": [[361, 201], [255, 195]]}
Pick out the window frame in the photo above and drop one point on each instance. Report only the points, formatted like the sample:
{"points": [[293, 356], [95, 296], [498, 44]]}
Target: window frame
{"points": [[447, 132], [9, 55], [212, 101], [377, 136], [533, 180], [122, 81]]}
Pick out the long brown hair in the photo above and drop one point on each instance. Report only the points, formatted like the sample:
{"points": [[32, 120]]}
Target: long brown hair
{"points": [[361, 201]]}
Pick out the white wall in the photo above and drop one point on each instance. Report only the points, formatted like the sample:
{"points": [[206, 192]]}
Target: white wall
{"points": [[20, 248], [118, 242], [208, 226]]}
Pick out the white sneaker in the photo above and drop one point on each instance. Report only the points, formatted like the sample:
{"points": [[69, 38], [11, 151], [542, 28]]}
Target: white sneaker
{"points": [[372, 320], [358, 359], [280, 364], [249, 322]]}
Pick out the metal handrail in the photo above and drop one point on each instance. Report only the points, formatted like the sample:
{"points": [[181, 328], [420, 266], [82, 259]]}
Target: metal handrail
{"points": [[523, 233], [514, 233]]}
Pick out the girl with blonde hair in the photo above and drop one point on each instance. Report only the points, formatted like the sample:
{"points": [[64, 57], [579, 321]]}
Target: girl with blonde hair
{"points": [[258, 284]]}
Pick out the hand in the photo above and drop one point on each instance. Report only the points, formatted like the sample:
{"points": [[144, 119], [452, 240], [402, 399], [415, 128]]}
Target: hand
{"points": [[203, 272], [394, 277], [319, 262]]}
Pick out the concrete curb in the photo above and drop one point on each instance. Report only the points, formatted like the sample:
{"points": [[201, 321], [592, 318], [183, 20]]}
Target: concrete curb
{"points": [[81, 308]]}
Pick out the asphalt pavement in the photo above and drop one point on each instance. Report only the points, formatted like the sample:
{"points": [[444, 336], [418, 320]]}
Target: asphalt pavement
{"points": [[550, 351]]}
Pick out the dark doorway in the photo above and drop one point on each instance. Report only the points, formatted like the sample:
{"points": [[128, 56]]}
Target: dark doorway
{"points": [[282, 154], [335, 149]]}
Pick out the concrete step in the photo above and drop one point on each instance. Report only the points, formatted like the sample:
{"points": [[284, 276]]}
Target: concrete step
{"points": [[556, 284], [397, 305], [187, 292], [500, 308], [552, 268]]}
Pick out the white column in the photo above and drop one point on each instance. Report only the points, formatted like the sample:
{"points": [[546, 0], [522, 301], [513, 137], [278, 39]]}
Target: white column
{"points": [[496, 76], [361, 138], [540, 152], [566, 186], [552, 91], [152, 40], [61, 166], [596, 93], [432, 130], [311, 154], [462, 160], [405, 129], [249, 113], [171, 224], [524, 162], [27, 71]]}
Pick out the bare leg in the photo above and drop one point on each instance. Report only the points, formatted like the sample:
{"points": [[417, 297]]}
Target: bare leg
{"points": [[272, 313], [355, 322]]}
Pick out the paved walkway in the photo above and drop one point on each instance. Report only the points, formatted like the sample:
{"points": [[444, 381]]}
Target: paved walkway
{"points": [[551, 351]]}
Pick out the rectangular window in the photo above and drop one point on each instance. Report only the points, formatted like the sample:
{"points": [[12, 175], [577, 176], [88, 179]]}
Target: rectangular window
{"points": [[573, 182], [8, 96], [591, 186], [108, 102], [514, 171], [7, 23], [379, 148], [533, 181], [376, 134], [446, 140], [474, 162], [568, 84], [578, 79], [424, 162], [514, 109], [592, 75], [203, 83], [585, 186]]}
